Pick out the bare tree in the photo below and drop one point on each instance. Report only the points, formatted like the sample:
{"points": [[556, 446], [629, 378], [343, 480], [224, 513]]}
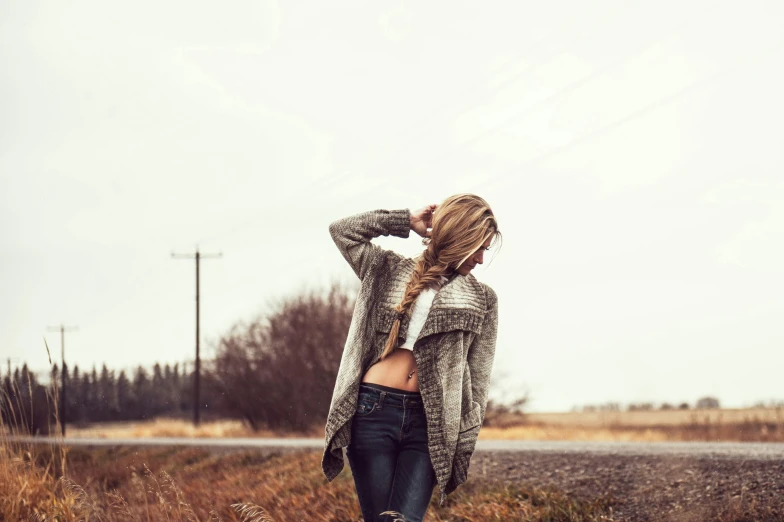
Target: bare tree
{"points": [[508, 410], [279, 371], [707, 403]]}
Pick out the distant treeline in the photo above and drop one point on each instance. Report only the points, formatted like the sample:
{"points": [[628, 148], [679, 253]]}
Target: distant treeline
{"points": [[96, 396], [277, 371], [703, 403]]}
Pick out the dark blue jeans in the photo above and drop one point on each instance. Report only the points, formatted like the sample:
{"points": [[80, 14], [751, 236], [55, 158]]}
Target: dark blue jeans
{"points": [[388, 454]]}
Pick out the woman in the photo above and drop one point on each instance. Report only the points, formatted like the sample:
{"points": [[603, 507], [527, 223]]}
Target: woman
{"points": [[412, 386]]}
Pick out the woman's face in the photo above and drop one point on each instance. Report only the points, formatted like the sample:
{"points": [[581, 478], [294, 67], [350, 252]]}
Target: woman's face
{"points": [[477, 258]]}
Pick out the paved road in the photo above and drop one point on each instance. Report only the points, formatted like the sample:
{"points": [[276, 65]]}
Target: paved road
{"points": [[742, 450]]}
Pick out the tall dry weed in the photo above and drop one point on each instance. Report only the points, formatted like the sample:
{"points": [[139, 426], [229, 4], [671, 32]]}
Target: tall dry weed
{"points": [[251, 512], [35, 484]]}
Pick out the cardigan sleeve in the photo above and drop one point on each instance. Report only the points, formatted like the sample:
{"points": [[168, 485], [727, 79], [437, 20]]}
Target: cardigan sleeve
{"points": [[482, 352], [352, 235]]}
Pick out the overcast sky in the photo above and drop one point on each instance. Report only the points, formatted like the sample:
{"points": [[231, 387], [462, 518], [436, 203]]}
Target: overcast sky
{"points": [[632, 153]]}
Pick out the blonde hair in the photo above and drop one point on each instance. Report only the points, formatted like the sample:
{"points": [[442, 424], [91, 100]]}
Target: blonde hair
{"points": [[461, 225]]}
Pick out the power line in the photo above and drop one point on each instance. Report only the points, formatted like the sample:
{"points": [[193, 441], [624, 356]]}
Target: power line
{"points": [[572, 86], [622, 121]]}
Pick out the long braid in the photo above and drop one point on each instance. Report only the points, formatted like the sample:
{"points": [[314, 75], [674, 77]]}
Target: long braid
{"points": [[461, 224], [427, 272]]}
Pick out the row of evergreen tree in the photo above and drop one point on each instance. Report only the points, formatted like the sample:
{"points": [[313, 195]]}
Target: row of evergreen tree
{"points": [[100, 396]]}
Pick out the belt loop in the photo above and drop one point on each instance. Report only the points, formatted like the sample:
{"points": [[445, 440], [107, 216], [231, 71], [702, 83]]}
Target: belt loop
{"points": [[381, 400]]}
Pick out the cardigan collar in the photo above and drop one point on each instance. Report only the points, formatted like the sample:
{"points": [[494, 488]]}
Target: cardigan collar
{"points": [[460, 304], [459, 291]]}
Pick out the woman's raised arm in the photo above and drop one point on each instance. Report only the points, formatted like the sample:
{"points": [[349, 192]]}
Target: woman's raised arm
{"points": [[353, 235]]}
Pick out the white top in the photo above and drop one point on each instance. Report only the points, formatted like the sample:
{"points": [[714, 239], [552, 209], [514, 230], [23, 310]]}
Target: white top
{"points": [[419, 313]]}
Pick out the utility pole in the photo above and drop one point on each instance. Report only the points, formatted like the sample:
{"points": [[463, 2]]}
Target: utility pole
{"points": [[62, 330], [197, 370]]}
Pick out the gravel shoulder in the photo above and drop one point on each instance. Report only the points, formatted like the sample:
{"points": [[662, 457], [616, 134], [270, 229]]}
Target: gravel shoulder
{"points": [[645, 488]]}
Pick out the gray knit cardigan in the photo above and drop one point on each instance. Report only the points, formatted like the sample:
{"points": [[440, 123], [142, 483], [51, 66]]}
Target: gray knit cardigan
{"points": [[454, 350]]}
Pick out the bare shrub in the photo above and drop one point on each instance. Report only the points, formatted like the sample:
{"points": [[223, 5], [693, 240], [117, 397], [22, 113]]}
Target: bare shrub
{"points": [[641, 406], [507, 412], [707, 403], [279, 371]]}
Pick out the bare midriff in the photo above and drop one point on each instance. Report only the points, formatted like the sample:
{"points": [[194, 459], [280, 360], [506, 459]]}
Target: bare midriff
{"points": [[393, 371]]}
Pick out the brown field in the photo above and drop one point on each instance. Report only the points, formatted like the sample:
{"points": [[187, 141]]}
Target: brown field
{"points": [[740, 425], [165, 427], [744, 425], [196, 484], [659, 417]]}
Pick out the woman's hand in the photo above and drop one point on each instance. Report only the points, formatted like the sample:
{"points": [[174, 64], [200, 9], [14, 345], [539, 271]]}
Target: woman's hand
{"points": [[422, 220]]}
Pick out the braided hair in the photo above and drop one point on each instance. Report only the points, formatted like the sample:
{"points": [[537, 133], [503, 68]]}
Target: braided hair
{"points": [[461, 225]]}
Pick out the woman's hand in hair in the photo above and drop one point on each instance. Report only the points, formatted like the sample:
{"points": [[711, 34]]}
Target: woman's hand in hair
{"points": [[422, 220]]}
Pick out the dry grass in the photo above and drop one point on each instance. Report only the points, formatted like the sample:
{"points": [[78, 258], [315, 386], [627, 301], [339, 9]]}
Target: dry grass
{"points": [[740, 425], [165, 427], [130, 484], [539, 432], [752, 425], [659, 418], [193, 484]]}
